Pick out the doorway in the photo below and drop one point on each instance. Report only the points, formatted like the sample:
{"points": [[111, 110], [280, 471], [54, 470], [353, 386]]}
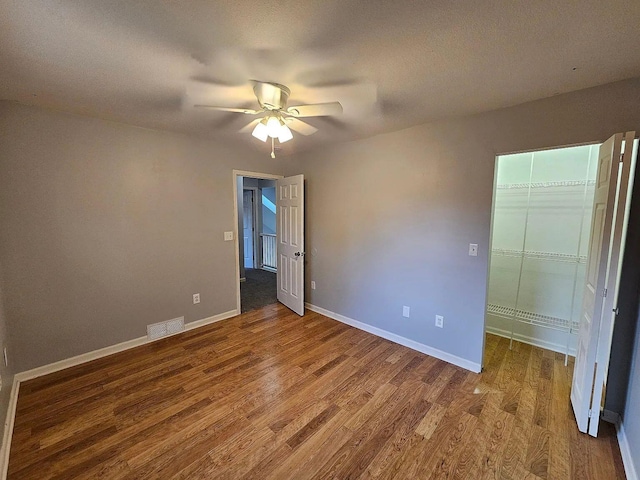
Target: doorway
{"points": [[558, 235], [256, 242], [540, 239]]}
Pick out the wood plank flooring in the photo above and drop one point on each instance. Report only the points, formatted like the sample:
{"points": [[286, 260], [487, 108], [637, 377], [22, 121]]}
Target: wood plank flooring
{"points": [[270, 395]]}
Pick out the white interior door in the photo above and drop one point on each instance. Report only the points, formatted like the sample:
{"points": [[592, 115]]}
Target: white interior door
{"points": [[247, 230], [290, 241], [595, 283]]}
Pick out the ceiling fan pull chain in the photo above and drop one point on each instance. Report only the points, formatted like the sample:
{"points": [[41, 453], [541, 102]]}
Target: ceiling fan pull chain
{"points": [[273, 153]]}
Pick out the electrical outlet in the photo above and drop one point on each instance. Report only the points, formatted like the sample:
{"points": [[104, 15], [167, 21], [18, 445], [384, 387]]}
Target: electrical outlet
{"points": [[313, 285], [439, 321], [473, 249], [406, 311], [196, 298], [228, 236]]}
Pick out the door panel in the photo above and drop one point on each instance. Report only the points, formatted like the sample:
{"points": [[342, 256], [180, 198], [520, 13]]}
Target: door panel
{"points": [[599, 246], [290, 240]]}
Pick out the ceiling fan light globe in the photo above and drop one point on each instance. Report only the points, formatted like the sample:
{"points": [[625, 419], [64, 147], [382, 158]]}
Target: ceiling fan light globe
{"points": [[285, 134], [261, 132], [274, 127]]}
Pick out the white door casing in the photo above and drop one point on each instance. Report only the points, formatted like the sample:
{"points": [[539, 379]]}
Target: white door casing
{"points": [[610, 303], [247, 230], [595, 280], [290, 241]]}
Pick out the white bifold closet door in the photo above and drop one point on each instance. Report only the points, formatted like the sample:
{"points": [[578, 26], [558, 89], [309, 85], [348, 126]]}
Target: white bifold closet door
{"points": [[599, 306]]}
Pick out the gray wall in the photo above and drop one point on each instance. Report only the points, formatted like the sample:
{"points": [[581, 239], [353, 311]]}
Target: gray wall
{"points": [[390, 218], [6, 373], [625, 327], [623, 384], [630, 417], [107, 228]]}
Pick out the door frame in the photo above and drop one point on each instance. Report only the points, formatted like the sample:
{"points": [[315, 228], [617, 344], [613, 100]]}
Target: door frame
{"points": [[234, 177], [634, 165], [493, 208]]}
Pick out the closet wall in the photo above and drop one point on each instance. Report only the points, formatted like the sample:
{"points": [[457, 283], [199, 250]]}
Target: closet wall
{"points": [[540, 241]]}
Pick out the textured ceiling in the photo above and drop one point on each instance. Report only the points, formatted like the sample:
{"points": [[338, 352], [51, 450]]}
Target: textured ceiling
{"points": [[391, 64]]}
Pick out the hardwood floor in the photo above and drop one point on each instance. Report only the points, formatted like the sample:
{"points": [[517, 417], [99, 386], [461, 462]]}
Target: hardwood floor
{"points": [[272, 395]]}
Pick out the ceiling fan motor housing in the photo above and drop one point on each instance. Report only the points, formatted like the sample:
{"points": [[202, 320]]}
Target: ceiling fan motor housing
{"points": [[271, 96]]}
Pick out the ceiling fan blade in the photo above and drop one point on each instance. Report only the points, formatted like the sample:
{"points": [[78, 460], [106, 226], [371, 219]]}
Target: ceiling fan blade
{"points": [[247, 111], [250, 126], [316, 110], [300, 126]]}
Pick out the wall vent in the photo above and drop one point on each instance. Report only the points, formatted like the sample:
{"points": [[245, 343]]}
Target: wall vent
{"points": [[162, 329]]}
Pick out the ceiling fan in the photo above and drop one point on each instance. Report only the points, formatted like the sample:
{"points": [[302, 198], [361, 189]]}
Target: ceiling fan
{"points": [[278, 119]]}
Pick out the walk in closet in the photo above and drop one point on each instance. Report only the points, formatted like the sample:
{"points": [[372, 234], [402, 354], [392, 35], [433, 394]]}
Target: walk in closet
{"points": [[540, 240]]}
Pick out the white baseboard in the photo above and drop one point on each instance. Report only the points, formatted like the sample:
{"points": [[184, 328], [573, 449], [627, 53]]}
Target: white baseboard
{"points": [[627, 458], [412, 344], [536, 342], [206, 321], [103, 352], [8, 429], [72, 362]]}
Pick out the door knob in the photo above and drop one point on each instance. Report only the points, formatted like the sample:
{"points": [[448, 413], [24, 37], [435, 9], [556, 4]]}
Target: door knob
{"points": [[299, 254]]}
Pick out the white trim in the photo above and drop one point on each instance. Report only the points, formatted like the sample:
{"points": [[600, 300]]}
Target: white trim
{"points": [[412, 344], [625, 451], [536, 342], [213, 319], [258, 175], [234, 176], [103, 352], [8, 429]]}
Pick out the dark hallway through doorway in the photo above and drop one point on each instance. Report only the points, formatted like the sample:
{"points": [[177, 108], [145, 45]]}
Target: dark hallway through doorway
{"points": [[258, 290]]}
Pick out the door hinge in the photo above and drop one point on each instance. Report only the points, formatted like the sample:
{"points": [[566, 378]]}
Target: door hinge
{"points": [[591, 413], [604, 292]]}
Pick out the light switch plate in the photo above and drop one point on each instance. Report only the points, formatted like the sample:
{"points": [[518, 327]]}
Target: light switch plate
{"points": [[228, 236], [406, 311], [473, 249]]}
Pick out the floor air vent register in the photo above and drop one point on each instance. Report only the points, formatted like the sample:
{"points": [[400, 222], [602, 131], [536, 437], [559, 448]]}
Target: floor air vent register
{"points": [[162, 329]]}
